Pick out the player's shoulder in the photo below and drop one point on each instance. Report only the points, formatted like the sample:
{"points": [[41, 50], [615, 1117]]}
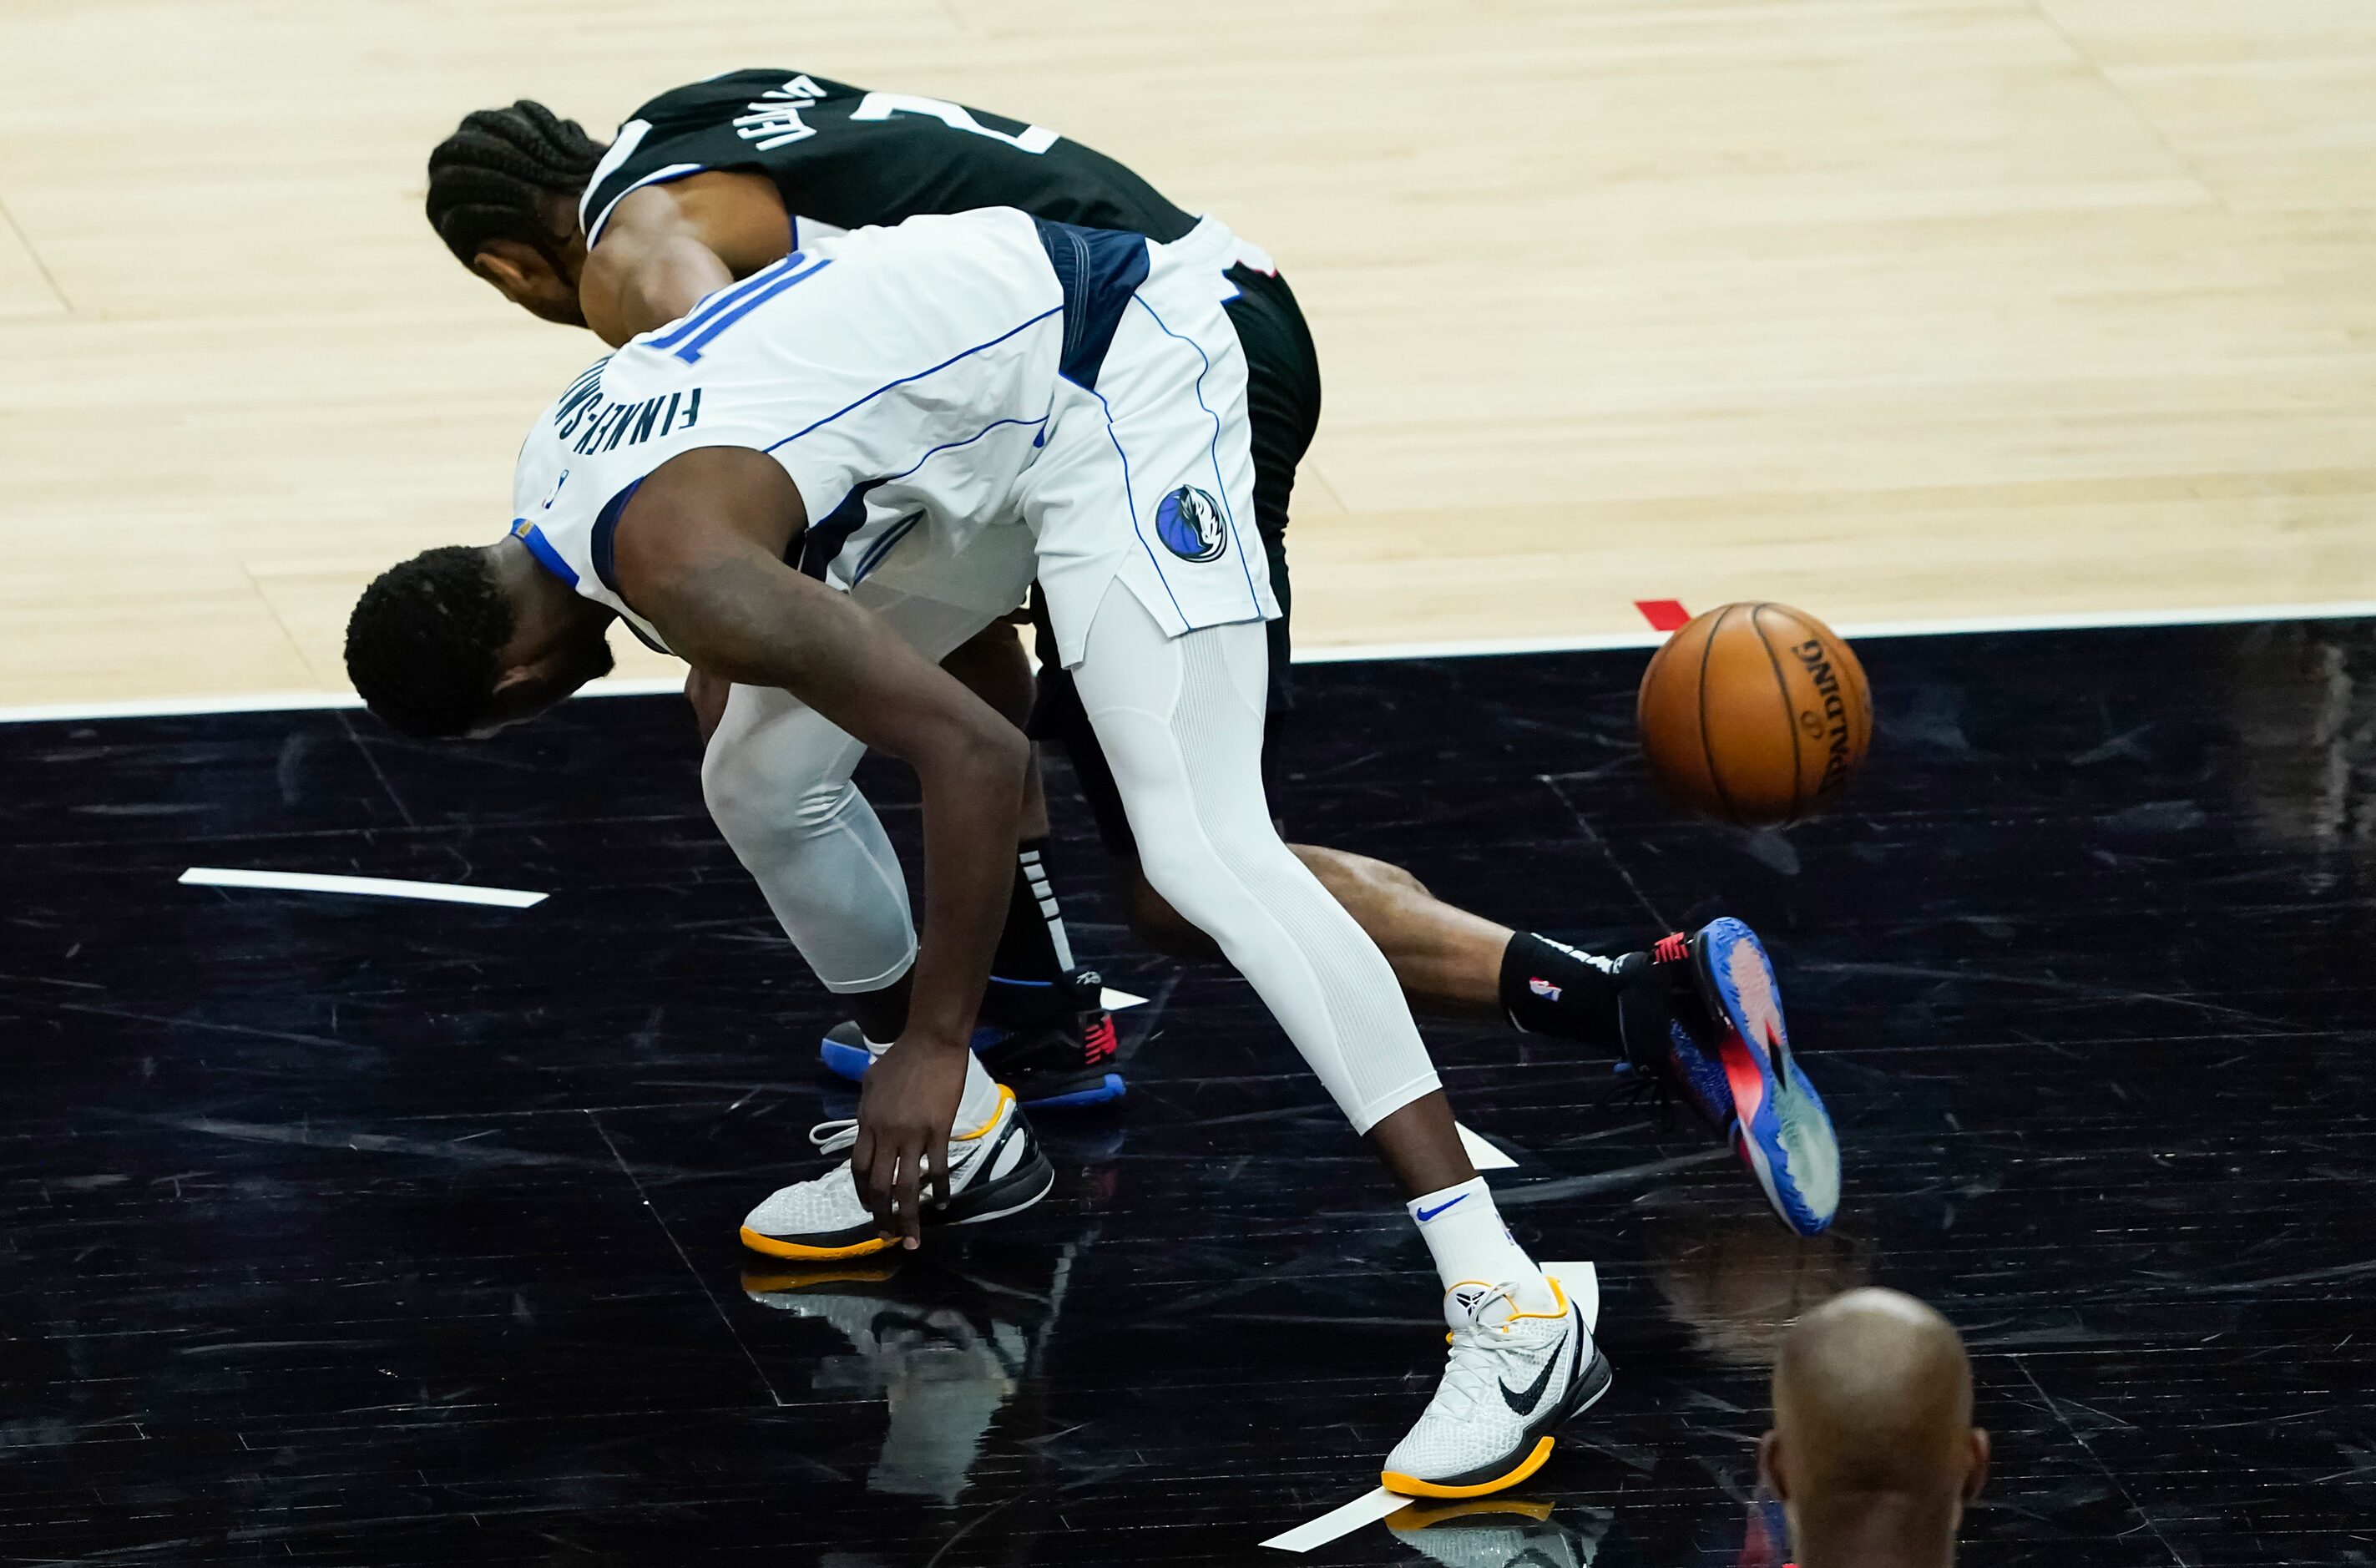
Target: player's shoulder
{"points": [[723, 121], [729, 93]]}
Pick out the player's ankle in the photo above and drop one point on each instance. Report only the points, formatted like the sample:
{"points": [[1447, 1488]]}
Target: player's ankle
{"points": [[981, 1103], [1467, 1238], [1034, 949], [1548, 988]]}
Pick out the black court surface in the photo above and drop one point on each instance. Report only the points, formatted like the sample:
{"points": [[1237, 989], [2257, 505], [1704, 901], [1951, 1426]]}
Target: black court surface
{"points": [[350, 1232]]}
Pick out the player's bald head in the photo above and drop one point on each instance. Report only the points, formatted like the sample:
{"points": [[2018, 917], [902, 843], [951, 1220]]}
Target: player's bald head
{"points": [[1873, 1413]]}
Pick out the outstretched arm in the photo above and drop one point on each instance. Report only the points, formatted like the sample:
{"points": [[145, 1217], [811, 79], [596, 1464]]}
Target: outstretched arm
{"points": [[699, 553], [665, 247]]}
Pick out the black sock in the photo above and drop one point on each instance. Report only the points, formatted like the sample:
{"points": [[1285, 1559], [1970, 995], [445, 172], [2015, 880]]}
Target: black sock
{"points": [[1548, 988], [1033, 949]]}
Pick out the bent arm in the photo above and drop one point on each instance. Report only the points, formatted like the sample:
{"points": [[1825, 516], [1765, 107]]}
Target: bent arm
{"points": [[700, 553]]}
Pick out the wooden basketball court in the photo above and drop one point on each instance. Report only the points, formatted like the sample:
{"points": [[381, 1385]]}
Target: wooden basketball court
{"points": [[1900, 310]]}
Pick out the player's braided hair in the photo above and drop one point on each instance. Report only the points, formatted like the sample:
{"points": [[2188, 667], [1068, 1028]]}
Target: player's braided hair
{"points": [[423, 642], [492, 179]]}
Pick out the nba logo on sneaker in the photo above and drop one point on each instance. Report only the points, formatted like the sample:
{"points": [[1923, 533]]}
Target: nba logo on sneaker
{"points": [[1544, 988], [1189, 523]]}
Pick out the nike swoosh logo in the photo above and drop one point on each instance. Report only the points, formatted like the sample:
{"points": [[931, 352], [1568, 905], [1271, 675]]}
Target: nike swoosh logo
{"points": [[1427, 1214], [1523, 1404]]}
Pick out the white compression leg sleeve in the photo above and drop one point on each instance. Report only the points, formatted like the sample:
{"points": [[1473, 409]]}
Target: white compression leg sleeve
{"points": [[1181, 719], [776, 776]]}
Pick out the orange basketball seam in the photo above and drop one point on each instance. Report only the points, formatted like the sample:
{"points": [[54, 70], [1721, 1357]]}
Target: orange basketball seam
{"points": [[1707, 645], [1782, 690]]}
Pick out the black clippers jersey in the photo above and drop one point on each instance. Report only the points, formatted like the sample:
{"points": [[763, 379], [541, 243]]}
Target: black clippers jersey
{"points": [[844, 158]]}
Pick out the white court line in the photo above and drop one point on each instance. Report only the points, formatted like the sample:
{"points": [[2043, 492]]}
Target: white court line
{"points": [[282, 702], [361, 886], [1366, 1508], [1582, 1283], [1482, 1155], [1349, 653], [2077, 621]]}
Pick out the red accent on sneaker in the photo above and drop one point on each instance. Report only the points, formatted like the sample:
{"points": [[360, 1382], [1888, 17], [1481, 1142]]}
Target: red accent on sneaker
{"points": [[1097, 1041], [1672, 948]]}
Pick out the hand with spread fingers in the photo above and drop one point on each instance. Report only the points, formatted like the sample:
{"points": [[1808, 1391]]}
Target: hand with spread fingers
{"points": [[904, 1116]]}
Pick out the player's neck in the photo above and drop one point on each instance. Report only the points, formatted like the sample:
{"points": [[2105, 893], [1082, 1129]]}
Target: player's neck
{"points": [[1875, 1530], [542, 604]]}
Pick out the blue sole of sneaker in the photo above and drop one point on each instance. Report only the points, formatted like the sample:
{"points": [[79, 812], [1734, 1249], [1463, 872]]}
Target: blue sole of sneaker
{"points": [[1104, 1092], [843, 1060], [1786, 1132], [851, 1062]]}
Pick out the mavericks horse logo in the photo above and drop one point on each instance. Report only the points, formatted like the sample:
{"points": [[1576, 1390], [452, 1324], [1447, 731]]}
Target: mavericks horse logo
{"points": [[1189, 523]]}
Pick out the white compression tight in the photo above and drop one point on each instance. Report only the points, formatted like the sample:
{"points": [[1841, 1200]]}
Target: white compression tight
{"points": [[1181, 719], [776, 776]]}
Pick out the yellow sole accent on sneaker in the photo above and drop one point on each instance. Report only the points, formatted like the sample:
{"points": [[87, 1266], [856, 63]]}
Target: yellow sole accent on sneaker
{"points": [[774, 1249], [1006, 1098], [1419, 1515], [1411, 1486]]}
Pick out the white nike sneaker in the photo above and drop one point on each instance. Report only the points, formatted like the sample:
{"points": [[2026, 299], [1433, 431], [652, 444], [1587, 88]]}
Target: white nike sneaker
{"points": [[1517, 1369], [994, 1171]]}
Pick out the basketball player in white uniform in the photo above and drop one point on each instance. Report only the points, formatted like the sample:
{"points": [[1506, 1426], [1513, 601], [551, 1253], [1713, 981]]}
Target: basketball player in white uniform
{"points": [[713, 182], [831, 472]]}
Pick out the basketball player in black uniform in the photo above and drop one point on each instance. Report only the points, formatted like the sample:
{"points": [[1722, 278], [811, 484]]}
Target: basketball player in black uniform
{"points": [[709, 183]]}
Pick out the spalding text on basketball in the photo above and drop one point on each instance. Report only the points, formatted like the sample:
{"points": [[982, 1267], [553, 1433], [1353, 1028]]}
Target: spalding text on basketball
{"points": [[1834, 719]]}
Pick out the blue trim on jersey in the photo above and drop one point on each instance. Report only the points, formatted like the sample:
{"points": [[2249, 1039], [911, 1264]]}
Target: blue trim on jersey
{"points": [[820, 424], [606, 524], [707, 308], [715, 300], [849, 516], [546, 555], [953, 446], [1219, 488], [883, 546], [823, 540], [1130, 493], [1099, 272], [720, 322]]}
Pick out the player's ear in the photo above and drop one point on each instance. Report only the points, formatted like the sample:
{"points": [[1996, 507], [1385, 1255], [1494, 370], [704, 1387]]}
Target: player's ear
{"points": [[1977, 1476], [1769, 1464], [515, 268]]}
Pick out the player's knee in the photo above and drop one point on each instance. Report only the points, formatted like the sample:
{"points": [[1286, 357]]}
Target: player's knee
{"points": [[748, 802], [730, 786], [1342, 873], [1169, 875], [1155, 921], [1212, 878]]}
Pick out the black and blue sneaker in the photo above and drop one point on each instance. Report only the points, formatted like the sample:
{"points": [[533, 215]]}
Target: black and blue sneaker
{"points": [[1704, 1013], [1051, 1042]]}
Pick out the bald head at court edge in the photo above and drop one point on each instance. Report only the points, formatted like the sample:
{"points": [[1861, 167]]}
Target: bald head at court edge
{"points": [[1873, 1453]]}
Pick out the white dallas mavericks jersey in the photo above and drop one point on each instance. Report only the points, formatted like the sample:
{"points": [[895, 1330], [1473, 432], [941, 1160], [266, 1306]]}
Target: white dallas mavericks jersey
{"points": [[910, 380]]}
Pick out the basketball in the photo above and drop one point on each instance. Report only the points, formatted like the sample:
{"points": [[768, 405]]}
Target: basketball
{"points": [[1755, 713]]}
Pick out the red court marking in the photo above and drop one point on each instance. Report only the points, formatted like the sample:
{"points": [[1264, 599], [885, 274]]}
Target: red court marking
{"points": [[1664, 614]]}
